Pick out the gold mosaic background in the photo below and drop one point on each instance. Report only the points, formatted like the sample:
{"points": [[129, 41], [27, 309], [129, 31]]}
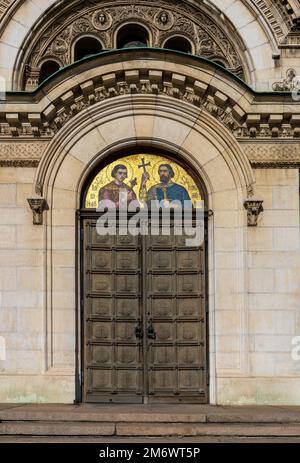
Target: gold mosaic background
{"points": [[133, 164]]}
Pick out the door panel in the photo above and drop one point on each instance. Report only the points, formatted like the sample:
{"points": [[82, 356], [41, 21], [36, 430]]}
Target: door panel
{"points": [[144, 319], [176, 354], [113, 355]]}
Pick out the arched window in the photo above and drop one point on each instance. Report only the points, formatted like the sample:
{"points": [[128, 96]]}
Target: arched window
{"points": [[86, 46], [179, 44], [132, 35], [48, 68]]}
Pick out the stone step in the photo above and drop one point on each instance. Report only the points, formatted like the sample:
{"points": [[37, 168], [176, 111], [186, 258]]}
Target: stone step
{"points": [[104, 417], [185, 429], [56, 429], [138, 429], [152, 414]]}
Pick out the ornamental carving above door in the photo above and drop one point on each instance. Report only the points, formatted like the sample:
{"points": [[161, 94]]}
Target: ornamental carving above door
{"points": [[56, 38]]}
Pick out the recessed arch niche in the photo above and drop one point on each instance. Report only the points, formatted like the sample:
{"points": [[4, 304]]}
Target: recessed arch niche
{"points": [[179, 43], [143, 293], [132, 35], [48, 68], [86, 46]]}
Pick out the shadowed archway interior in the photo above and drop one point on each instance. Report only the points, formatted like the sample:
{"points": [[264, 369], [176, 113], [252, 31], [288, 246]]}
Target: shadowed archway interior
{"points": [[86, 46], [132, 35]]}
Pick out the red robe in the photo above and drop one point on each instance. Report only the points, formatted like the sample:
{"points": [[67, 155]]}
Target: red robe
{"points": [[111, 192]]}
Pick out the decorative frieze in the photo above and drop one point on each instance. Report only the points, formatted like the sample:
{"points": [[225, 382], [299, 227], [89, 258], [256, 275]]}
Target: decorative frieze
{"points": [[4, 5], [122, 83], [262, 124], [267, 9], [103, 19], [21, 154], [270, 155]]}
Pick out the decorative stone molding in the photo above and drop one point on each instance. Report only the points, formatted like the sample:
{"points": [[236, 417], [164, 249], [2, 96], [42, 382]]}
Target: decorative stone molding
{"points": [[156, 83], [254, 208], [38, 206], [267, 155], [246, 115], [21, 154], [4, 5], [117, 84], [270, 13], [288, 11], [283, 18]]}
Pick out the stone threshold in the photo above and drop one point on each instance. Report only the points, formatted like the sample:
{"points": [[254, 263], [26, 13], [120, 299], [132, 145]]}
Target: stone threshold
{"points": [[170, 413]]}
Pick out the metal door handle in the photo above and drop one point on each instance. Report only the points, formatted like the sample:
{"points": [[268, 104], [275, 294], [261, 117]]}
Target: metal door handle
{"points": [[151, 332], [139, 331]]}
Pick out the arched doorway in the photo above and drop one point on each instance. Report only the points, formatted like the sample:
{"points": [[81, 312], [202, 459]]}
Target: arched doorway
{"points": [[144, 295]]}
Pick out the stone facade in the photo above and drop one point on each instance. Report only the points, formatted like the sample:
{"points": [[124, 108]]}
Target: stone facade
{"points": [[243, 144]]}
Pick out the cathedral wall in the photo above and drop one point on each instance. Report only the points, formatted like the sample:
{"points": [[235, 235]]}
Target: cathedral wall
{"points": [[22, 283], [23, 304], [273, 297], [253, 272], [206, 117]]}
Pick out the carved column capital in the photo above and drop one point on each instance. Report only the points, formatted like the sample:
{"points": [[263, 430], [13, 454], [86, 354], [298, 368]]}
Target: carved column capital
{"points": [[38, 206], [254, 207]]}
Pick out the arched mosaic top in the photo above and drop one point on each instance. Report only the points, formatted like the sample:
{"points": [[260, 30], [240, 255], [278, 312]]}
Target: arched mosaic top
{"points": [[145, 177]]}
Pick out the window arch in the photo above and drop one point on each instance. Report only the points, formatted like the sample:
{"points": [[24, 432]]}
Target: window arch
{"points": [[48, 68], [86, 46], [132, 36], [179, 43]]}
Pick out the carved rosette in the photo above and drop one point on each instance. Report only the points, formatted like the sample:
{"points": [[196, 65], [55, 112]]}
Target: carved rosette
{"points": [[38, 206], [164, 20], [254, 208], [101, 20]]}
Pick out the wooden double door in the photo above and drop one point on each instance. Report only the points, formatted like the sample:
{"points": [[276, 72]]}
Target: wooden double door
{"points": [[144, 318]]}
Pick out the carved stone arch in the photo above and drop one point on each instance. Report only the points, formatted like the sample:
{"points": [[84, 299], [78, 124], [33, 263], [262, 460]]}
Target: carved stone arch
{"points": [[73, 99], [204, 30], [280, 16], [160, 123], [268, 18], [169, 110]]}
